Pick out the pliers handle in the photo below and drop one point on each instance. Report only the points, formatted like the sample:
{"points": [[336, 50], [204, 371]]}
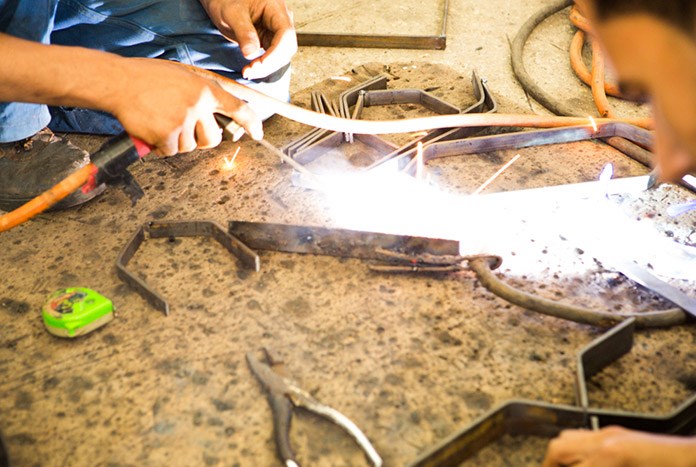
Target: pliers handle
{"points": [[284, 395]]}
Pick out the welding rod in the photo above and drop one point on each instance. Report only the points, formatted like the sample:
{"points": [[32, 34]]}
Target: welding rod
{"points": [[231, 128]]}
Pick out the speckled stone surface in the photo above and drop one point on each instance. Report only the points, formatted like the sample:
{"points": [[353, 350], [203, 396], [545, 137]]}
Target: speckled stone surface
{"points": [[411, 359]]}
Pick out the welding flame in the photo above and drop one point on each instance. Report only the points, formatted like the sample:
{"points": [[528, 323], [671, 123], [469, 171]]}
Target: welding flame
{"points": [[228, 164]]}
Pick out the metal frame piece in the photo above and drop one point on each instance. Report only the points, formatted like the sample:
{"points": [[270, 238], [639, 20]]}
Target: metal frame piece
{"points": [[336, 242], [485, 103], [408, 96], [353, 96], [526, 139], [380, 41], [596, 356], [320, 103], [532, 418], [247, 258], [315, 149]]}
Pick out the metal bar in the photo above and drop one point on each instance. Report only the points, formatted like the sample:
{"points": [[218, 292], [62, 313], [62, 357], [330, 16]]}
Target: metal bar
{"points": [[599, 354], [135, 282], [532, 418], [335, 242], [380, 41], [334, 140], [247, 258], [485, 103], [535, 138]]}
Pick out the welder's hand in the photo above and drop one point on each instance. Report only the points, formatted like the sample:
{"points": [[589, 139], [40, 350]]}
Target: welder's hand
{"points": [[173, 109], [619, 447], [254, 24], [674, 158]]}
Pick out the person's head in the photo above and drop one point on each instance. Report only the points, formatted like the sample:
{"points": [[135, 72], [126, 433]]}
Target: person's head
{"points": [[652, 45]]}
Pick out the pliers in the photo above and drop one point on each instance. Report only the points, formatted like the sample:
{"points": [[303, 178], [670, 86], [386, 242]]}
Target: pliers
{"points": [[284, 395]]}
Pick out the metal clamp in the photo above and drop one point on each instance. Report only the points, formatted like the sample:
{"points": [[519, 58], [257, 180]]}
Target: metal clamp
{"points": [[532, 418], [247, 257]]}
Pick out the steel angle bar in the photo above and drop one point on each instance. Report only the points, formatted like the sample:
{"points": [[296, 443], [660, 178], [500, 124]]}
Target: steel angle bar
{"points": [[333, 140], [381, 41], [526, 139], [514, 417], [408, 96], [485, 103], [247, 258], [596, 356], [350, 97], [533, 418], [336, 242], [320, 103]]}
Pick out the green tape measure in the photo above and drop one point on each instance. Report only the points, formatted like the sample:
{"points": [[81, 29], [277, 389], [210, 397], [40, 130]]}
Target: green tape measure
{"points": [[76, 311]]}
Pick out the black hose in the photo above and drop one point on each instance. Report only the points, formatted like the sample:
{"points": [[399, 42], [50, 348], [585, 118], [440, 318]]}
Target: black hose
{"points": [[526, 81]]}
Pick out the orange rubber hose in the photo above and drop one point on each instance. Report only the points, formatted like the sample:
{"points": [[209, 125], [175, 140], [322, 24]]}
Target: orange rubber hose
{"points": [[598, 93], [578, 65], [48, 198], [377, 127]]}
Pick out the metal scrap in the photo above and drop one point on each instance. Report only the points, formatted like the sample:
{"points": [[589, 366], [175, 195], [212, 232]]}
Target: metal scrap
{"points": [[532, 418], [337, 242], [247, 258]]}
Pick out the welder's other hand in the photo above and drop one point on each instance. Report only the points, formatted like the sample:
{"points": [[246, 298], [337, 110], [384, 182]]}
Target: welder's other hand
{"points": [[618, 447], [673, 155], [254, 24], [172, 109]]}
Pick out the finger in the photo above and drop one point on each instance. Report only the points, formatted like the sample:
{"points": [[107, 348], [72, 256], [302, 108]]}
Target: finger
{"points": [[278, 23], [187, 138], [168, 146], [283, 47], [208, 133], [674, 167], [244, 33], [241, 113]]}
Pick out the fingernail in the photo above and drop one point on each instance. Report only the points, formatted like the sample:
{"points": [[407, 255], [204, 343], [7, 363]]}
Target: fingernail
{"points": [[251, 52]]}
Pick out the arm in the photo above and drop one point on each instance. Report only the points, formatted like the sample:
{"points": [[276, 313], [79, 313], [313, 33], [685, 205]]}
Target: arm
{"points": [[254, 24], [618, 447], [156, 101]]}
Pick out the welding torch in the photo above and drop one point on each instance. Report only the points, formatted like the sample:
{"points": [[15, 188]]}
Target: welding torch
{"points": [[109, 164]]}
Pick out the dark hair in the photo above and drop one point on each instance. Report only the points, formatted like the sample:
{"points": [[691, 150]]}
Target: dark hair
{"points": [[681, 13]]}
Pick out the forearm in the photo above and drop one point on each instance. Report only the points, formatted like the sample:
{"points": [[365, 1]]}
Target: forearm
{"points": [[57, 75]]}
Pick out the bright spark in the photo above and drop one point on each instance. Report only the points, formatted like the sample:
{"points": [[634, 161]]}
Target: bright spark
{"points": [[593, 123], [420, 164], [229, 163], [605, 177], [341, 78], [496, 175]]}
